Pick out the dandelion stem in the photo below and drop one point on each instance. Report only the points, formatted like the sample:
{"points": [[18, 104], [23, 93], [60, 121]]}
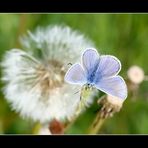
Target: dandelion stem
{"points": [[99, 118], [69, 124], [97, 124], [36, 128], [85, 94]]}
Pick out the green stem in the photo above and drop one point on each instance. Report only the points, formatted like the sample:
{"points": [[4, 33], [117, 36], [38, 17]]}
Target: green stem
{"points": [[69, 124], [96, 125], [36, 128], [85, 94]]}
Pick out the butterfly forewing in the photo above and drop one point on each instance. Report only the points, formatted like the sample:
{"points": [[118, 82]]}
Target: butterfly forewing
{"points": [[90, 58], [108, 66], [76, 75]]}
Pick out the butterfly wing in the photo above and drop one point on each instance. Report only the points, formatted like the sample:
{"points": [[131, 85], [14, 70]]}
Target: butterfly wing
{"points": [[75, 75], [114, 86], [108, 66], [90, 59]]}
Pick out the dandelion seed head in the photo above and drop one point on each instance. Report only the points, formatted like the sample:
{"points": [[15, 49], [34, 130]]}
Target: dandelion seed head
{"points": [[115, 100], [56, 42], [109, 105], [34, 78], [135, 74]]}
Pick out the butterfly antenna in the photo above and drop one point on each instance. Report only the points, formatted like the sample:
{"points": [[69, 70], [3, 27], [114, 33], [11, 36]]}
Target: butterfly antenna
{"points": [[69, 64], [77, 92]]}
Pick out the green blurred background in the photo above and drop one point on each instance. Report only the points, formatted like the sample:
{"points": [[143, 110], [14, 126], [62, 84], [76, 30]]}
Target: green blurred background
{"points": [[122, 35]]}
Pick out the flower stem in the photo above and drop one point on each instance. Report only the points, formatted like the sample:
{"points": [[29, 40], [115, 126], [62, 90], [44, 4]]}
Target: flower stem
{"points": [[99, 118], [82, 106], [97, 124], [69, 124], [36, 128]]}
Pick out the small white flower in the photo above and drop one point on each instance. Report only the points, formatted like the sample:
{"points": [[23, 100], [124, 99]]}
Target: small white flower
{"points": [[115, 101], [110, 105], [34, 78], [135, 74]]}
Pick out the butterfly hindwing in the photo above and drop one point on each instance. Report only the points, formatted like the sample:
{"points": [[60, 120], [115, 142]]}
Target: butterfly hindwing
{"points": [[114, 86]]}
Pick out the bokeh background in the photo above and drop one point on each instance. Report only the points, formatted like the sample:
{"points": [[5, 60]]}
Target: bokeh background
{"points": [[122, 35]]}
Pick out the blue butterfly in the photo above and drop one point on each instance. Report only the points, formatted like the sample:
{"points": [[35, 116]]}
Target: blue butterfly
{"points": [[98, 71]]}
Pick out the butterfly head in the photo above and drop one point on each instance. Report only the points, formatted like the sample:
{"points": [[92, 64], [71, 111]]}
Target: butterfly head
{"points": [[88, 86]]}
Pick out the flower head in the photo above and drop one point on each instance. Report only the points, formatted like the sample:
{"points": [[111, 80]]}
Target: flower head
{"points": [[34, 78], [55, 42], [100, 72], [109, 105], [135, 74]]}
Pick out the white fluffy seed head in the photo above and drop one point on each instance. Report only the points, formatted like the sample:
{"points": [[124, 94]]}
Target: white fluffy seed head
{"points": [[34, 79], [115, 101], [56, 42], [135, 74]]}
